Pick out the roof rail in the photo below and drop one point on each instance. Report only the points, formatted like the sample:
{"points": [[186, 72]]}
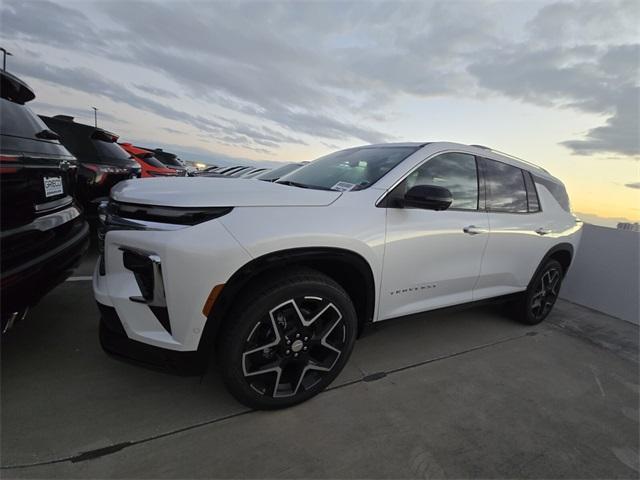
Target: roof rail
{"points": [[511, 156]]}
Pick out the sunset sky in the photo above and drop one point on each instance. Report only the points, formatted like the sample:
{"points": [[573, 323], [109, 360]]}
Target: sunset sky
{"points": [[554, 82]]}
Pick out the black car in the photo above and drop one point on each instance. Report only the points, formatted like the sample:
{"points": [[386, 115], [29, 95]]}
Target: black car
{"points": [[170, 160], [42, 230], [102, 162]]}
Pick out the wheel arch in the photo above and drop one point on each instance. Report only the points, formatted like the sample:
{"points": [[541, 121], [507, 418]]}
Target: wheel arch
{"points": [[562, 252], [348, 268]]}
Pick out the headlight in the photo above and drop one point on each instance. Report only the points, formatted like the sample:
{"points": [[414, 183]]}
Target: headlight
{"points": [[131, 212]]}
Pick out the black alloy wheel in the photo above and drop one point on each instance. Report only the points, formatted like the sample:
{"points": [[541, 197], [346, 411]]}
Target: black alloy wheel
{"points": [[541, 296], [289, 341]]}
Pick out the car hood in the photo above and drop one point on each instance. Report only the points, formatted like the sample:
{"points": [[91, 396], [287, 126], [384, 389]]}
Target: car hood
{"points": [[218, 192]]}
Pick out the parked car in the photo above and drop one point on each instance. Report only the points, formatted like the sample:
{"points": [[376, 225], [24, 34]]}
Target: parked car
{"points": [[276, 173], [208, 171], [254, 172], [226, 171], [43, 232], [151, 166], [102, 163], [169, 160], [241, 172], [278, 278]]}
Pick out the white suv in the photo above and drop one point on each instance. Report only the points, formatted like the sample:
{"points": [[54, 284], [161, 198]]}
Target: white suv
{"points": [[278, 279]]}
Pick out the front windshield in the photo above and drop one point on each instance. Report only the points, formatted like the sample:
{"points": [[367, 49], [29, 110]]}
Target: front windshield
{"points": [[276, 173], [346, 170]]}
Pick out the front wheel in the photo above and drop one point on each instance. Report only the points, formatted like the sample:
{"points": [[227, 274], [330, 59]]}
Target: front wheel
{"points": [[541, 295], [287, 341]]}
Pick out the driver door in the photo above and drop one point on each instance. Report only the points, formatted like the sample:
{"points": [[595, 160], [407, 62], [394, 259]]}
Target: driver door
{"points": [[432, 258]]}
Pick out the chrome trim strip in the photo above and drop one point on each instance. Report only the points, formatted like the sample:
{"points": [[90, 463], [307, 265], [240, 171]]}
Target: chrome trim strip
{"points": [[159, 298], [61, 202], [113, 222], [46, 222]]}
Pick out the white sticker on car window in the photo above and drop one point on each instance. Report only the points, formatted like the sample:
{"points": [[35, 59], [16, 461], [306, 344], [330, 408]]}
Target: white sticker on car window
{"points": [[343, 186]]}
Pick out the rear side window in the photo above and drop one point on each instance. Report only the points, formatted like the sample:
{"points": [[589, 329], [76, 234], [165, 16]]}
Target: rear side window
{"points": [[532, 196], [19, 121], [168, 159], [153, 161], [19, 127], [506, 191], [111, 152], [557, 190]]}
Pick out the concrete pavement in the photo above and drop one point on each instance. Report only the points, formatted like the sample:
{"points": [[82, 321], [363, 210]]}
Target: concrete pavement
{"points": [[458, 395]]}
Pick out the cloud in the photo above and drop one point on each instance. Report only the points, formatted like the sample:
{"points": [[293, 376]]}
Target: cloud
{"points": [[48, 23], [155, 91], [84, 114], [586, 22], [635, 185], [590, 78], [267, 74], [88, 81], [619, 135]]}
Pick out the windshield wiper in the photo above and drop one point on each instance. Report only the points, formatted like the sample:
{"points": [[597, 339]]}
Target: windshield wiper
{"points": [[304, 185], [293, 184]]}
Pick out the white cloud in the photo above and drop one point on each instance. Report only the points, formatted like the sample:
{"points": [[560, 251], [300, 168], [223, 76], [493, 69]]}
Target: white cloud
{"points": [[266, 75]]}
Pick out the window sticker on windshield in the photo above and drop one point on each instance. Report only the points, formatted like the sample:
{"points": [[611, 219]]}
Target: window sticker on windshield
{"points": [[343, 186]]}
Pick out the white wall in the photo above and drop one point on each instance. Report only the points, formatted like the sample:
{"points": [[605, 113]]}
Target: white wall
{"points": [[605, 273]]}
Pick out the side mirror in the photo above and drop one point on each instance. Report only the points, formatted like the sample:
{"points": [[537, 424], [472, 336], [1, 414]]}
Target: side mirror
{"points": [[428, 197]]}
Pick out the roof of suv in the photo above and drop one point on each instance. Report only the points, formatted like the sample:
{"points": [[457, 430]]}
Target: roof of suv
{"points": [[479, 150], [14, 89], [68, 122]]}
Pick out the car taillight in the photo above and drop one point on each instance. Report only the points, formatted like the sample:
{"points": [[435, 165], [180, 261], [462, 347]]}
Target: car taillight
{"points": [[101, 171], [9, 164]]}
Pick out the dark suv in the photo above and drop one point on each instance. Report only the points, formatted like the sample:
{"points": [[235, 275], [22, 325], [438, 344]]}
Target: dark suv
{"points": [[170, 160], [43, 233], [102, 162]]}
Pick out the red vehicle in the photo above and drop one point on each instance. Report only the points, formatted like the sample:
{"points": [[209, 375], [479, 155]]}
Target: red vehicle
{"points": [[151, 166]]}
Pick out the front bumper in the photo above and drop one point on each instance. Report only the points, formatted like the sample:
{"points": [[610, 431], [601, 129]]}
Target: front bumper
{"points": [[187, 264], [114, 341]]}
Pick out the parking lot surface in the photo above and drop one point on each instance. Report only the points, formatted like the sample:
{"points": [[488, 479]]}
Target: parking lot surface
{"points": [[445, 394]]}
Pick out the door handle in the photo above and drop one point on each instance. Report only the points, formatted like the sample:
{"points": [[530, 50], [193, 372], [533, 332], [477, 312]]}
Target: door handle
{"points": [[543, 231], [473, 230]]}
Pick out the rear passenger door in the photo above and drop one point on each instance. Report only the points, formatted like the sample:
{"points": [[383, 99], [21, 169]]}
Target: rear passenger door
{"points": [[518, 232]]}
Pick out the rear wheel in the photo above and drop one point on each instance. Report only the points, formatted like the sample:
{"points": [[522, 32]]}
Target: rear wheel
{"points": [[541, 295], [287, 341]]}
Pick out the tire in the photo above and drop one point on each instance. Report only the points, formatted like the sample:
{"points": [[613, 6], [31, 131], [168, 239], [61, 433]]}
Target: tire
{"points": [[286, 340], [539, 299]]}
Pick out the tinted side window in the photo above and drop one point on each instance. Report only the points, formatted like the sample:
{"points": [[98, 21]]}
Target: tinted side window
{"points": [[19, 120], [532, 195], [505, 188], [455, 171], [113, 153], [557, 190], [18, 129]]}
